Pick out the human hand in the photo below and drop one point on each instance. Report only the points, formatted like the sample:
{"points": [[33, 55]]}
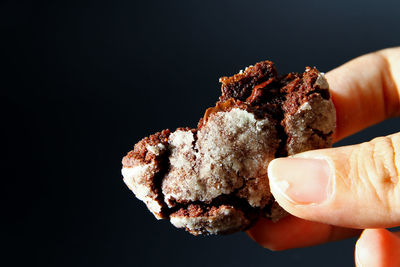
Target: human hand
{"points": [[334, 192]]}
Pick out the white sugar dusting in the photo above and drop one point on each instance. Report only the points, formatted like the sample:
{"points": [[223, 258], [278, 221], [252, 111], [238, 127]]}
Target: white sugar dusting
{"points": [[157, 149], [136, 179], [136, 173], [321, 81], [181, 146], [231, 148], [317, 114]]}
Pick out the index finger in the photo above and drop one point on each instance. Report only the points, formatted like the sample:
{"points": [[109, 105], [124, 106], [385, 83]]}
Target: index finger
{"points": [[365, 91]]}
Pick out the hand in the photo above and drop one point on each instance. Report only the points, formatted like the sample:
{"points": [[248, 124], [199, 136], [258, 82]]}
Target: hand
{"points": [[333, 192]]}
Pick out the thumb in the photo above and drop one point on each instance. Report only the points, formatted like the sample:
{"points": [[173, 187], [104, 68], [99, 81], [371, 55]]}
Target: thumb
{"points": [[353, 186]]}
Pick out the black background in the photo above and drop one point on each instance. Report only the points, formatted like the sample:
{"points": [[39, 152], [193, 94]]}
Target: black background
{"points": [[82, 82]]}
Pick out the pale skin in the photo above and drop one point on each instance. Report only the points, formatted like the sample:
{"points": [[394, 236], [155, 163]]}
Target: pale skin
{"points": [[342, 192]]}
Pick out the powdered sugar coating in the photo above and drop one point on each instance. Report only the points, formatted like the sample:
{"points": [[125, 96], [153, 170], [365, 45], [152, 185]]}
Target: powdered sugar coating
{"points": [[156, 149], [232, 148], [321, 81], [136, 178], [182, 178], [311, 125]]}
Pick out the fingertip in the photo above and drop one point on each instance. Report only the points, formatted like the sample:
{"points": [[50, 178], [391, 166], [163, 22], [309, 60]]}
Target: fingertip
{"points": [[275, 236], [264, 232], [290, 232], [377, 247]]}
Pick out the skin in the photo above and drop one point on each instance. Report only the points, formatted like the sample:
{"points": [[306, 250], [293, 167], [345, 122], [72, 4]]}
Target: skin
{"points": [[365, 91]]}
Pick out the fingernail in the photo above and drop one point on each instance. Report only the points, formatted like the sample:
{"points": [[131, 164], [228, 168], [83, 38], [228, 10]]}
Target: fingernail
{"points": [[301, 181]]}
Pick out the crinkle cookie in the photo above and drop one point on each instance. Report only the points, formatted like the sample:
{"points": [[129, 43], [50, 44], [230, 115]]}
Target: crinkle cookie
{"points": [[213, 179]]}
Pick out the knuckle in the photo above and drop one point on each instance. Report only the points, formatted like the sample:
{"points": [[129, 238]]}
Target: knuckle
{"points": [[384, 158], [377, 169]]}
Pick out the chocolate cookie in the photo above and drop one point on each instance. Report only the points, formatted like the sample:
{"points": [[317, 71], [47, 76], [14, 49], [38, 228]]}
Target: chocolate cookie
{"points": [[213, 179]]}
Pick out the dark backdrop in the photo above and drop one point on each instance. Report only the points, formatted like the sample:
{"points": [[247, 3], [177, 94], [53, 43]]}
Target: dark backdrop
{"points": [[81, 83]]}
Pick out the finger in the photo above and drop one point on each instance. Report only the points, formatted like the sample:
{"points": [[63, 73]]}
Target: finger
{"points": [[365, 91], [293, 232], [377, 248], [355, 186]]}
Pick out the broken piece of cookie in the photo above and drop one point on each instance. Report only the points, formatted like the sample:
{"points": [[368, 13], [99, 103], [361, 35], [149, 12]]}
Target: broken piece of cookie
{"points": [[213, 179]]}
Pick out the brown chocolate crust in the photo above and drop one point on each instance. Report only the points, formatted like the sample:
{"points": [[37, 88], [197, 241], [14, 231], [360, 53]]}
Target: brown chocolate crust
{"points": [[140, 152], [290, 90], [301, 88], [293, 112], [240, 86], [280, 97]]}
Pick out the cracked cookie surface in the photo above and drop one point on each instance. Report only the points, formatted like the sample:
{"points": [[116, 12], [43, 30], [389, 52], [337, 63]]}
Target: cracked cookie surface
{"points": [[213, 179]]}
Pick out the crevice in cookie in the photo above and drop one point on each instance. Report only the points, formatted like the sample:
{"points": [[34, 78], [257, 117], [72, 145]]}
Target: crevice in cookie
{"points": [[194, 147], [222, 200], [164, 166], [175, 204], [162, 160], [282, 150], [267, 209], [324, 93], [321, 134]]}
